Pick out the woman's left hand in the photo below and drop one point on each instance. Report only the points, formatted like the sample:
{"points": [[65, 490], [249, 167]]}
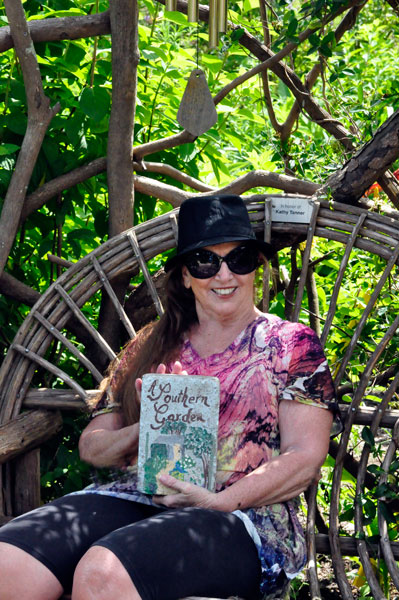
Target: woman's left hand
{"points": [[188, 494]]}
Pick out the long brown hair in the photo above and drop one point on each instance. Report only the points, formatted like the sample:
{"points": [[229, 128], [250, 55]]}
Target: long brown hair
{"points": [[158, 342]]}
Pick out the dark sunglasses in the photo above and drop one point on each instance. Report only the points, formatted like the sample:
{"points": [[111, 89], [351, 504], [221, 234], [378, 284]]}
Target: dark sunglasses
{"points": [[203, 264]]}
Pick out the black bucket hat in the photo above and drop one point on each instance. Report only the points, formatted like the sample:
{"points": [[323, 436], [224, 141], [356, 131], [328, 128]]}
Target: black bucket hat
{"points": [[209, 220]]}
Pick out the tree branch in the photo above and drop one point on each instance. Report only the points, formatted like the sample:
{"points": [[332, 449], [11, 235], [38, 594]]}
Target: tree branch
{"points": [[164, 169], [317, 114], [390, 185], [257, 178], [253, 179], [60, 28], [39, 117], [16, 290], [298, 89], [184, 137], [394, 4], [125, 58], [369, 163], [52, 188], [264, 75], [160, 190]]}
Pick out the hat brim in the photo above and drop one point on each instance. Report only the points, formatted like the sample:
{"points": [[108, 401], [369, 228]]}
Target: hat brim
{"points": [[263, 247]]}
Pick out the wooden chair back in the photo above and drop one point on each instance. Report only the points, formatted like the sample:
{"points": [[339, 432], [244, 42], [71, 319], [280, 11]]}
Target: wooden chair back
{"points": [[361, 353]]}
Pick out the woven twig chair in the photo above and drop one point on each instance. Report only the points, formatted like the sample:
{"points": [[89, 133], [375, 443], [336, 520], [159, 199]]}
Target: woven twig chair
{"points": [[29, 415]]}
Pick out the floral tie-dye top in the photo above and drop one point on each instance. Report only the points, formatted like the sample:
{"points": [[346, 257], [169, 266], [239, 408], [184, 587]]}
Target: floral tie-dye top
{"points": [[271, 360]]}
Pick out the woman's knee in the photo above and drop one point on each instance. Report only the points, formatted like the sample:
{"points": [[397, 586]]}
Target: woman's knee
{"points": [[23, 577], [100, 575]]}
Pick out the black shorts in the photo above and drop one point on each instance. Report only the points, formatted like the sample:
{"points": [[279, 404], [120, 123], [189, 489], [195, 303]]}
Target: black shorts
{"points": [[168, 554]]}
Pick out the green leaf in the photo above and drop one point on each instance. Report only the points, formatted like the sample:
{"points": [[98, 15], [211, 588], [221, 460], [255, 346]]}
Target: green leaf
{"points": [[17, 123], [74, 128], [347, 515], [314, 39], [374, 469], [213, 63], [236, 34], [387, 513], [45, 247], [71, 12], [292, 27], [382, 490], [368, 436], [95, 102], [176, 17], [325, 50], [8, 149], [80, 234]]}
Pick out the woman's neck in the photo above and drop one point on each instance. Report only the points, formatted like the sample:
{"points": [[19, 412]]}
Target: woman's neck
{"points": [[213, 335]]}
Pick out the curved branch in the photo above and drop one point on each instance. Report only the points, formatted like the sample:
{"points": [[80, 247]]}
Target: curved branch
{"points": [[15, 289], [298, 89], [54, 187], [168, 170], [175, 197], [60, 28], [258, 178], [163, 191], [160, 190], [184, 137]]}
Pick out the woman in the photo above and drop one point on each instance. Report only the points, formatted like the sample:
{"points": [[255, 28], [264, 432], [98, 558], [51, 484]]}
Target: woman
{"points": [[243, 540]]}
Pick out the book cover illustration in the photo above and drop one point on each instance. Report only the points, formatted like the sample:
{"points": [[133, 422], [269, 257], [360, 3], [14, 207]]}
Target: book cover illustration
{"points": [[179, 421]]}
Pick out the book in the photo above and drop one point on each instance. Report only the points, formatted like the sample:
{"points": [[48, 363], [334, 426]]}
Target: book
{"points": [[179, 421]]}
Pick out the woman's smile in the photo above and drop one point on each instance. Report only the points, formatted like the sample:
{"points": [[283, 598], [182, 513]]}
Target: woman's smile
{"points": [[224, 291]]}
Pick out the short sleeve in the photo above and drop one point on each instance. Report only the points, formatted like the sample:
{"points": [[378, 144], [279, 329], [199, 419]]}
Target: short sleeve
{"points": [[309, 378], [106, 403]]}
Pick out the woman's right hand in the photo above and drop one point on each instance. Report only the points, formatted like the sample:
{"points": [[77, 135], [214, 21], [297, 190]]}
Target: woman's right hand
{"points": [[177, 369]]}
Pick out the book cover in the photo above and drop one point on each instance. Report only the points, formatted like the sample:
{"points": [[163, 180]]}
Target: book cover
{"points": [[179, 421]]}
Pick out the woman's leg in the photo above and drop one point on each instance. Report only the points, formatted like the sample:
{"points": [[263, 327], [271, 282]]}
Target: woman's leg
{"points": [[178, 553], [109, 578], [54, 537], [23, 577]]}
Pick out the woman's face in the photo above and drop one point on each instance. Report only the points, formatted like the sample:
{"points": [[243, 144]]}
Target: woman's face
{"points": [[226, 294]]}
